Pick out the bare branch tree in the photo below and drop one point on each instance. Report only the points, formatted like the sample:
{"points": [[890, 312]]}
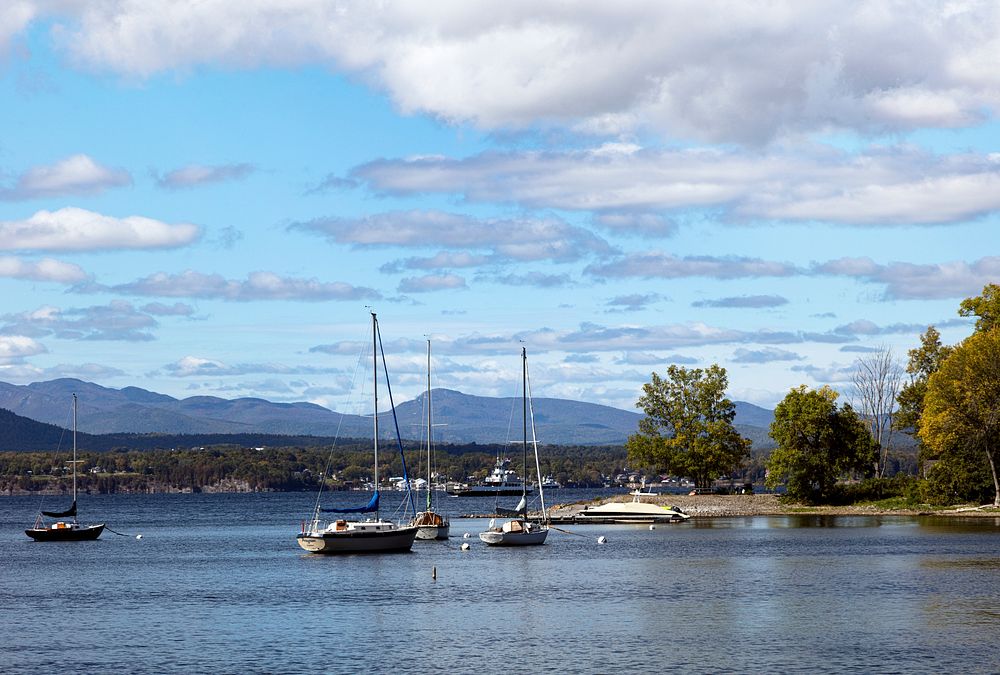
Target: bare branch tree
{"points": [[877, 379]]}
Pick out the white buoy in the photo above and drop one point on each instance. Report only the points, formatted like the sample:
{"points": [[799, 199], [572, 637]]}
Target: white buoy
{"points": [[602, 540], [138, 536], [652, 527], [465, 547], [467, 535]]}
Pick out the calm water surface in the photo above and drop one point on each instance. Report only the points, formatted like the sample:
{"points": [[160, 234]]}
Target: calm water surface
{"points": [[218, 584]]}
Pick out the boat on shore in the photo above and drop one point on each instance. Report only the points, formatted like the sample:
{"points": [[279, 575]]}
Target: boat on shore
{"points": [[65, 530], [373, 535], [635, 511]]}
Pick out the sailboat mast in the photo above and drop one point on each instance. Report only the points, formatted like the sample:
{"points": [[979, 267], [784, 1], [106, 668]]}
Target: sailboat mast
{"points": [[74, 455], [524, 417], [375, 392], [429, 502]]}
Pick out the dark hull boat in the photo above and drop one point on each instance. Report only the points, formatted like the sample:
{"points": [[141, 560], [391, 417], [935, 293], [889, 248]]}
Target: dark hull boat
{"points": [[63, 530]]}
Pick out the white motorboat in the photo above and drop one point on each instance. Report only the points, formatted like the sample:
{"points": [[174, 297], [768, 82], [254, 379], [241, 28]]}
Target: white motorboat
{"points": [[635, 511], [519, 531], [373, 535]]}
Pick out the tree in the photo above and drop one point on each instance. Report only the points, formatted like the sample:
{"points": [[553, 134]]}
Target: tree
{"points": [[924, 362], [962, 404], [985, 306], [688, 429], [817, 444], [877, 380]]}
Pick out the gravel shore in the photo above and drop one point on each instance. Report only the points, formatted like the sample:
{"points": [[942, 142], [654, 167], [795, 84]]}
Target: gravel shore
{"points": [[715, 506]]}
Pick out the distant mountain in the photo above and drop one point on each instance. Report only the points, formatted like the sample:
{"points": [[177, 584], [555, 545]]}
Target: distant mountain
{"points": [[458, 417]]}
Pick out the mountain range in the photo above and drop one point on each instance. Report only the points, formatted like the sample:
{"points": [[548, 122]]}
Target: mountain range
{"points": [[458, 417]]}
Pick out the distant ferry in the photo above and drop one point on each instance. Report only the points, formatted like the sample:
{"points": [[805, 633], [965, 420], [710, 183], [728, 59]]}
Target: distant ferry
{"points": [[502, 481]]}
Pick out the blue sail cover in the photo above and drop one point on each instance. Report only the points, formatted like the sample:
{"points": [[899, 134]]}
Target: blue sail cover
{"points": [[372, 506]]}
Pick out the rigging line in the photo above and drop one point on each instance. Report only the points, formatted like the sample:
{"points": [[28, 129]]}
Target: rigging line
{"points": [[120, 534], [395, 421], [329, 459], [534, 439]]}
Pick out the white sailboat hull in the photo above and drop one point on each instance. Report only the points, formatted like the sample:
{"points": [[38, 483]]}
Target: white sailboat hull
{"points": [[431, 532], [534, 536]]}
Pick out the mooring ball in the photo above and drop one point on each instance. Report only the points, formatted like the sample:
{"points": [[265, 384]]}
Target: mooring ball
{"points": [[652, 527], [467, 535], [465, 547], [138, 536], [602, 540]]}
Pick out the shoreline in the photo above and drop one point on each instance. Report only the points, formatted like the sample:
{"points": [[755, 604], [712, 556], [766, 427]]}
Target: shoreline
{"points": [[729, 506]]}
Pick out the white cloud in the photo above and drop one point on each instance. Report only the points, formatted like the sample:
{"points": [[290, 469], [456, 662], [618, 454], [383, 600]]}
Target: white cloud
{"points": [[877, 186], [194, 175], [14, 347], [693, 68], [75, 229], [523, 239], [662, 265], [117, 320], [46, 269], [257, 286], [75, 175], [431, 282], [908, 281]]}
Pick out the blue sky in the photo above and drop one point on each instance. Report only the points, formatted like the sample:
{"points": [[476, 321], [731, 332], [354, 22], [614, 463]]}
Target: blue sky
{"points": [[201, 198]]}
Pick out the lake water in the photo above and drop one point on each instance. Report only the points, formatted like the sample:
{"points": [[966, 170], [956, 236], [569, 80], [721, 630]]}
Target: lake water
{"points": [[218, 584]]}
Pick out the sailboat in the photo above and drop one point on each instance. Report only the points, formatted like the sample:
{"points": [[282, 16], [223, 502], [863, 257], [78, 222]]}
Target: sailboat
{"points": [[430, 524], [372, 535], [519, 531], [63, 530]]}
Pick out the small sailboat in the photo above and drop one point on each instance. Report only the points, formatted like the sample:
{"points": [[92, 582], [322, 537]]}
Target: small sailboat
{"points": [[372, 535], [430, 524], [63, 530], [519, 531]]}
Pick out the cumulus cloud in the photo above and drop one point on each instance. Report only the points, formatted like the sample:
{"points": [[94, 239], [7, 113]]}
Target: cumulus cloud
{"points": [[75, 175], [665, 266], [442, 260], [257, 286], [46, 269], [644, 224], [744, 301], [176, 309], [117, 320], [16, 347], [650, 359], [767, 355], [908, 281], [194, 175], [196, 366], [75, 229], [522, 239], [632, 302], [431, 282], [533, 279], [688, 69], [876, 186]]}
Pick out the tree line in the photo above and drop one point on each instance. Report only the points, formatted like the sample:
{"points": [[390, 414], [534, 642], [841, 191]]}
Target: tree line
{"points": [[345, 466], [835, 452]]}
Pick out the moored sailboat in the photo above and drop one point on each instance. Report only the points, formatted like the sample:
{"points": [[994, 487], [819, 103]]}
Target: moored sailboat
{"points": [[519, 531], [372, 535], [430, 524], [63, 530]]}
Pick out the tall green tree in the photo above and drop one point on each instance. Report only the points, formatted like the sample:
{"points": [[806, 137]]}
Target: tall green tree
{"points": [[818, 443], [962, 404], [924, 362], [986, 307], [688, 429]]}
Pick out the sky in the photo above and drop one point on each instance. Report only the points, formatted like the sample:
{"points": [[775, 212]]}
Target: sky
{"points": [[206, 197]]}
